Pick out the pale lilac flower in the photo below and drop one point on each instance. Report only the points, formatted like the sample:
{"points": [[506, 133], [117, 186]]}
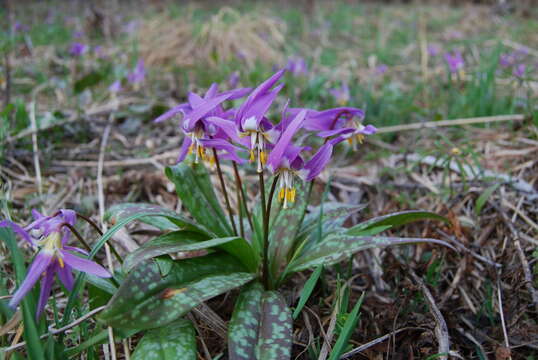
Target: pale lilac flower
{"points": [[49, 235], [519, 71], [455, 62], [381, 69], [78, 49], [434, 50], [297, 66], [341, 94], [19, 27], [506, 60], [138, 74], [115, 87], [233, 80]]}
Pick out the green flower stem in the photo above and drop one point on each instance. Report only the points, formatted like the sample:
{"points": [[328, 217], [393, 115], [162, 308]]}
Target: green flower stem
{"points": [[241, 226], [243, 197], [96, 228], [224, 191], [265, 261], [267, 218]]}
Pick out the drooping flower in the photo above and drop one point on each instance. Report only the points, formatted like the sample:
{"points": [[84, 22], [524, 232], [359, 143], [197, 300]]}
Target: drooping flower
{"points": [[205, 119], [256, 130], [519, 71], [297, 66], [138, 75], [50, 234], [78, 49], [341, 94], [455, 62]]}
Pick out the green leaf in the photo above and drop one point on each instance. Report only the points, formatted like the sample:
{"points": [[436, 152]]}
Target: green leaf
{"points": [[396, 219], [275, 336], [192, 244], [87, 81], [168, 342], [146, 299], [169, 220], [194, 188], [261, 326], [28, 305], [339, 246], [307, 290], [334, 214], [483, 198], [349, 326]]}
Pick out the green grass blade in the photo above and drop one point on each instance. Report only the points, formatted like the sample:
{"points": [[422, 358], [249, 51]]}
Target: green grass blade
{"points": [[307, 290]]}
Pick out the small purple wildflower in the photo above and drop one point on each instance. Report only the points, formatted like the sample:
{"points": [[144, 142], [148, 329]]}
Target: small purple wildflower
{"points": [[506, 60], [519, 71], [341, 94], [19, 27], [455, 62], [434, 50], [381, 69], [297, 66], [115, 87], [137, 76], [49, 234], [233, 80], [78, 49]]}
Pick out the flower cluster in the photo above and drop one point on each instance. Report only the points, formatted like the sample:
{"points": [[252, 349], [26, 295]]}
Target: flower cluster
{"points": [[245, 132], [49, 235], [516, 61]]}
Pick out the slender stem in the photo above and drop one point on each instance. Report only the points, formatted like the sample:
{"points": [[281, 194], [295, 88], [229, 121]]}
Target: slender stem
{"points": [[224, 191], [267, 219], [96, 228], [265, 260], [78, 236], [243, 197], [238, 193]]}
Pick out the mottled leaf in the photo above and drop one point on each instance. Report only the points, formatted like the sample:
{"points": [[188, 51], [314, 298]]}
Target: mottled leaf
{"points": [[261, 326], [396, 219], [333, 215], [174, 341], [275, 336], [194, 188], [339, 246], [146, 299], [244, 325], [169, 220]]}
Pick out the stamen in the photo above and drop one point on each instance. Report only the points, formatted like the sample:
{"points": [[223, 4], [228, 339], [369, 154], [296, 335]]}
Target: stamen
{"points": [[251, 155], [263, 157], [360, 138], [61, 261], [281, 194]]}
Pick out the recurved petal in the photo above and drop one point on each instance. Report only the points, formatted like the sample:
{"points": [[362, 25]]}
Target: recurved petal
{"points": [[276, 155], [318, 162], [170, 113], [184, 150], [18, 230], [66, 276], [40, 264], [44, 292], [84, 265]]}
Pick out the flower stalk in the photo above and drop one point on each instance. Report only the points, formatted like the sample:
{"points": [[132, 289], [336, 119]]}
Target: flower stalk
{"points": [[224, 191]]}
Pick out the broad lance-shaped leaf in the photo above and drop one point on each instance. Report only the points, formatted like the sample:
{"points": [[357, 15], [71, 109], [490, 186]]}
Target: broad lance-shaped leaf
{"points": [[261, 326], [283, 230], [174, 341], [396, 219], [340, 246], [333, 215], [194, 188], [167, 219], [193, 245], [147, 299]]}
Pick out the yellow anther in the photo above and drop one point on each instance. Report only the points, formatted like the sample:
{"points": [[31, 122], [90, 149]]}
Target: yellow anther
{"points": [[292, 197], [191, 149], [281, 194], [455, 151], [251, 155], [360, 138], [263, 157], [61, 261]]}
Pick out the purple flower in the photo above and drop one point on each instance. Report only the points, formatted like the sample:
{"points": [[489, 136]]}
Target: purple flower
{"points": [[519, 71], [341, 94], [257, 132], [78, 49], [434, 50], [233, 80], [138, 74], [115, 87], [506, 60], [297, 66], [455, 62], [205, 119], [381, 69], [78, 34], [19, 27], [49, 235]]}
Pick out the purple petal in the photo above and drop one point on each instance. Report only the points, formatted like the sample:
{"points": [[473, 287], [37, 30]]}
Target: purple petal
{"points": [[69, 216], [227, 126], [170, 113], [329, 133], [211, 92], [66, 276], [237, 93], [18, 230], [184, 151], [275, 157], [192, 117], [46, 286], [368, 130], [260, 106], [330, 119], [40, 264], [79, 250], [318, 162], [84, 265], [195, 100]]}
